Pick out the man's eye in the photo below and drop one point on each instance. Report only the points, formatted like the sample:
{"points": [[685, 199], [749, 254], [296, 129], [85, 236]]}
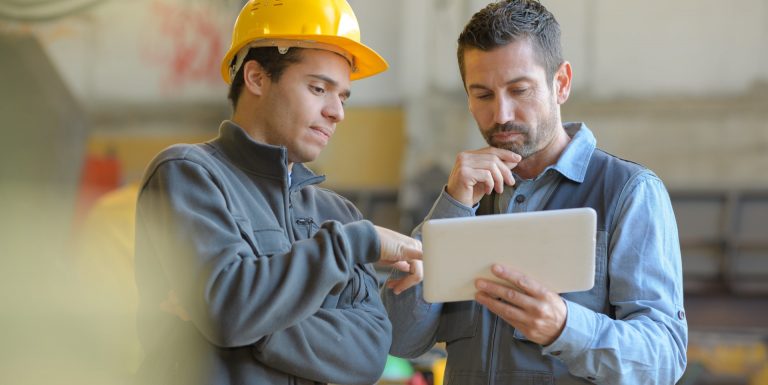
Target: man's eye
{"points": [[519, 91], [317, 90], [483, 96]]}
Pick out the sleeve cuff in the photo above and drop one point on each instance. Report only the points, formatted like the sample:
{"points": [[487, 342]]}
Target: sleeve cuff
{"points": [[447, 207], [580, 328], [364, 243]]}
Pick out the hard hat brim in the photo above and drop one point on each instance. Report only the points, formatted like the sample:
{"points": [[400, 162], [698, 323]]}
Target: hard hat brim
{"points": [[366, 61]]}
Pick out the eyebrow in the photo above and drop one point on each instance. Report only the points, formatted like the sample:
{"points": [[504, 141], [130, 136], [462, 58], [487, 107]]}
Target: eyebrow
{"points": [[346, 93], [513, 81]]}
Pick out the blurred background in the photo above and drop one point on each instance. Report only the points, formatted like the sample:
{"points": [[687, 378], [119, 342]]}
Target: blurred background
{"points": [[90, 90]]}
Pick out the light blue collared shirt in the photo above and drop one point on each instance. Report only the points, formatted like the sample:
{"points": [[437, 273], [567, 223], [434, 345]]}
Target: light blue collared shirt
{"points": [[646, 341]]}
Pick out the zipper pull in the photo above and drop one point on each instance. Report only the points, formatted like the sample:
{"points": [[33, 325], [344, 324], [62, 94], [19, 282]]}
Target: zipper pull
{"points": [[304, 221], [308, 222]]}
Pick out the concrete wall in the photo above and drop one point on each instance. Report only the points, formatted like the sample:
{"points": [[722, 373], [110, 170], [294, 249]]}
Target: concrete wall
{"points": [[678, 86], [168, 51], [688, 71]]}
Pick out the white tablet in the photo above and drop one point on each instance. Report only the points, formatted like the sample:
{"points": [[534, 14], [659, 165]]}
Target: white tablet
{"points": [[554, 247]]}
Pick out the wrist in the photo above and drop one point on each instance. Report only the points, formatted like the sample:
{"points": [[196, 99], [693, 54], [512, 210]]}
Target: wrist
{"points": [[456, 195]]}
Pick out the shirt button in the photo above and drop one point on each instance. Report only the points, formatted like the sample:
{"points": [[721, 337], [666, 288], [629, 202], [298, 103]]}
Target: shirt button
{"points": [[520, 198], [681, 315], [556, 353]]}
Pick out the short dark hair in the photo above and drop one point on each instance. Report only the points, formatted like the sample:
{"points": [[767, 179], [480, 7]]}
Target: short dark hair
{"points": [[508, 21], [273, 62]]}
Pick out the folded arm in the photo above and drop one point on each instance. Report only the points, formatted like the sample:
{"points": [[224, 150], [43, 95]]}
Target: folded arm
{"points": [[238, 283], [345, 345]]}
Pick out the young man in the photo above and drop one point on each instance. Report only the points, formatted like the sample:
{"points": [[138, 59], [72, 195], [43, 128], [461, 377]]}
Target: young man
{"points": [[630, 327], [247, 272]]}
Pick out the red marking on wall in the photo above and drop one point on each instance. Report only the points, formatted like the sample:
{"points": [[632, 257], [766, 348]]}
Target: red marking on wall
{"points": [[185, 42]]}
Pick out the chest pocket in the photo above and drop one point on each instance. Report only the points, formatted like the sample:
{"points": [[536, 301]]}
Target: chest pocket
{"points": [[459, 320], [265, 241]]}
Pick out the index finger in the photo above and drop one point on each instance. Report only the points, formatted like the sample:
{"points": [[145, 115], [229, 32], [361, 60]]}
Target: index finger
{"points": [[505, 155], [409, 253]]}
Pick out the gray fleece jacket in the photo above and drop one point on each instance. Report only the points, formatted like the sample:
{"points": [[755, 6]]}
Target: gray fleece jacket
{"points": [[275, 280]]}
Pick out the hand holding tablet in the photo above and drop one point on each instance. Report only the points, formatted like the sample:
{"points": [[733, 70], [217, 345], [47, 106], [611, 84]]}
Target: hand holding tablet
{"points": [[554, 247]]}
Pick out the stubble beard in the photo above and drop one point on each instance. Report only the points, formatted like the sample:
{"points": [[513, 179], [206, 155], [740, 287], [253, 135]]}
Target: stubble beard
{"points": [[530, 145]]}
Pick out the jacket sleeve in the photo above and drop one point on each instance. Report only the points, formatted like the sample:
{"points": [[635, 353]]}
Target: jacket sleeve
{"points": [[346, 343], [646, 342], [415, 321], [234, 295]]}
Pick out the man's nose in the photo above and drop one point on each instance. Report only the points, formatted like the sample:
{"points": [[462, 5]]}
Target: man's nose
{"points": [[334, 110], [504, 110]]}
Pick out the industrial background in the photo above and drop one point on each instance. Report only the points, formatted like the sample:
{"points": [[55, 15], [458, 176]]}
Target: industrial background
{"points": [[90, 90]]}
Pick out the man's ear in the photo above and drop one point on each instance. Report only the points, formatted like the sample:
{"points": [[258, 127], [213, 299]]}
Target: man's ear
{"points": [[255, 78], [562, 82]]}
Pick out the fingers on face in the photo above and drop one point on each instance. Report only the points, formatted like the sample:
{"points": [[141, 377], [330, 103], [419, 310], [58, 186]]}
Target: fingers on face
{"points": [[486, 175], [497, 177], [481, 172], [506, 171], [500, 170], [501, 167], [506, 155]]}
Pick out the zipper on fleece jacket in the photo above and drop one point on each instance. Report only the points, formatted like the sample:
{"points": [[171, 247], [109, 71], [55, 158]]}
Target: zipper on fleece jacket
{"points": [[306, 222], [288, 204]]}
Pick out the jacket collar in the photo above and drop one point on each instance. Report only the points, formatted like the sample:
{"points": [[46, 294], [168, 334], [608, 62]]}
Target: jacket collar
{"points": [[260, 158]]}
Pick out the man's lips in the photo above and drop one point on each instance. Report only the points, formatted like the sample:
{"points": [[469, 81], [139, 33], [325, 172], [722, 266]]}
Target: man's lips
{"points": [[323, 131], [506, 135]]}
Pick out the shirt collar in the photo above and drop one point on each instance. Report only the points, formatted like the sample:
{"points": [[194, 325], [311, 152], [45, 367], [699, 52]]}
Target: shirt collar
{"points": [[574, 160]]}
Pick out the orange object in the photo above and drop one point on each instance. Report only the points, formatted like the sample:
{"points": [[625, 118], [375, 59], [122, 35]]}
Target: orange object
{"points": [[100, 175]]}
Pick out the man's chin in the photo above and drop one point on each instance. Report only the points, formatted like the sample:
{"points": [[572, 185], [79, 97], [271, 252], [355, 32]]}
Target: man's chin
{"points": [[309, 156], [524, 154], [507, 146]]}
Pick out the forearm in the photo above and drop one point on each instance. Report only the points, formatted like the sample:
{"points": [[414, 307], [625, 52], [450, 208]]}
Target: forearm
{"points": [[648, 348]]}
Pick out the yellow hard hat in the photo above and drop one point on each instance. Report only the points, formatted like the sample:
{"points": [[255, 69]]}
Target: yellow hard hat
{"points": [[323, 24]]}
